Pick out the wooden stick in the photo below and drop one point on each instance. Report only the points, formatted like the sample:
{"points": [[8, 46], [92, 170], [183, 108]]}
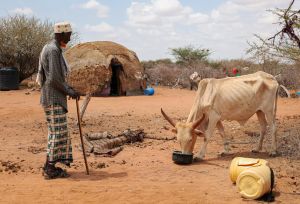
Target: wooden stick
{"points": [[80, 132]]}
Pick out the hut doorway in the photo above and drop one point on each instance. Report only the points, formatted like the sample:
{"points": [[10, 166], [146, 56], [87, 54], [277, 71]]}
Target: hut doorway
{"points": [[115, 83]]}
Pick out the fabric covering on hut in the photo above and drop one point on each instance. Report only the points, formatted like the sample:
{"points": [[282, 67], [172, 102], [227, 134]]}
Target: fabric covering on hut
{"points": [[104, 68]]}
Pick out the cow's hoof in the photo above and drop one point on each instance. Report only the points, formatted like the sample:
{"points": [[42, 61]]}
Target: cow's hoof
{"points": [[198, 159], [273, 154], [224, 154], [255, 151]]}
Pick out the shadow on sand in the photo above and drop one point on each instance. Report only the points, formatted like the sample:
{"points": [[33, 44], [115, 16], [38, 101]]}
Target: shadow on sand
{"points": [[95, 175], [212, 161]]}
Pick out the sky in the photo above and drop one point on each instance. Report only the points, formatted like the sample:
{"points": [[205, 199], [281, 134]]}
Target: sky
{"points": [[152, 27]]}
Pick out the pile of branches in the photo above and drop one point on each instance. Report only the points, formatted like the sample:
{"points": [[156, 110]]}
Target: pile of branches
{"points": [[105, 144]]}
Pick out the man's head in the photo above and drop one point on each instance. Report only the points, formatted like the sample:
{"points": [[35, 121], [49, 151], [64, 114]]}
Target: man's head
{"points": [[63, 31]]}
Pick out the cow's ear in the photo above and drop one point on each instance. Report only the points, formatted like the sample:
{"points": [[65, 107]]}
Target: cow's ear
{"points": [[199, 133], [174, 130]]}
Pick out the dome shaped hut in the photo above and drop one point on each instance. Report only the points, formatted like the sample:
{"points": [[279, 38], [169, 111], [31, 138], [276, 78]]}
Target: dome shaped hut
{"points": [[104, 68]]}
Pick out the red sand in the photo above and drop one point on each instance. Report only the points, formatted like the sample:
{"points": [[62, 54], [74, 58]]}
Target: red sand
{"points": [[141, 173]]}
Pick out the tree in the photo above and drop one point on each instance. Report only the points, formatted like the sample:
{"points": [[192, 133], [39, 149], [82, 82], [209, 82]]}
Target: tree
{"points": [[285, 44], [21, 41], [189, 54]]}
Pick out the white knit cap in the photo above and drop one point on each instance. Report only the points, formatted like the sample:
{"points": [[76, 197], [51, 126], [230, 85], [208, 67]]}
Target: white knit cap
{"points": [[62, 27]]}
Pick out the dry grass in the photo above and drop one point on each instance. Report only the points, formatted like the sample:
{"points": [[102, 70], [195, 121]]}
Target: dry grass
{"points": [[166, 73], [174, 75]]}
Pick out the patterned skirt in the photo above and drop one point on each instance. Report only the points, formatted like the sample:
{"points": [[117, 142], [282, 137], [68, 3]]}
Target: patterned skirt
{"points": [[59, 147]]}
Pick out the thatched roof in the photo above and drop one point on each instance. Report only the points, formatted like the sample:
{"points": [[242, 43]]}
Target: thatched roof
{"points": [[90, 65]]}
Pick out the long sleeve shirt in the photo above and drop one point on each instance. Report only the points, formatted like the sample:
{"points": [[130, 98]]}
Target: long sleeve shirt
{"points": [[54, 69]]}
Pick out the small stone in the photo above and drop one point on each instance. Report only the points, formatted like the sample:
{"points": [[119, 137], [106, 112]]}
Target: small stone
{"points": [[165, 127], [101, 165]]}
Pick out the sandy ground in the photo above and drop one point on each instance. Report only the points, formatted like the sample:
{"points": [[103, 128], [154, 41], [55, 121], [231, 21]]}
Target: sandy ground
{"points": [[142, 172]]}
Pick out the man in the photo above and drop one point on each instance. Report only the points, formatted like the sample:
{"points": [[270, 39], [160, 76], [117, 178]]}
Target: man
{"points": [[235, 72], [54, 90]]}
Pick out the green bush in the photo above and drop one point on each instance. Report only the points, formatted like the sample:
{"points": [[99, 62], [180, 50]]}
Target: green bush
{"points": [[189, 54]]}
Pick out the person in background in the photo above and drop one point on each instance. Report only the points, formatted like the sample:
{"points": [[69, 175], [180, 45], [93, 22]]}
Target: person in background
{"points": [[236, 72], [225, 72], [54, 90]]}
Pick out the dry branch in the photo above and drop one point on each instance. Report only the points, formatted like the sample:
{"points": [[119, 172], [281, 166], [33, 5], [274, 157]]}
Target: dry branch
{"points": [[109, 145], [159, 138], [290, 21], [88, 146]]}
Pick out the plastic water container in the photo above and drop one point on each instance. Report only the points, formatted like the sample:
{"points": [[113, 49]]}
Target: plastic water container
{"points": [[9, 79], [255, 182], [149, 91], [239, 164]]}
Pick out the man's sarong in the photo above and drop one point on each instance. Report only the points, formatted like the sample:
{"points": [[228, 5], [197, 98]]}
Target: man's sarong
{"points": [[59, 147]]}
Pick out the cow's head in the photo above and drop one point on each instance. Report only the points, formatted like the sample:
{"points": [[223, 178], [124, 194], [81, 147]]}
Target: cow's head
{"points": [[186, 133]]}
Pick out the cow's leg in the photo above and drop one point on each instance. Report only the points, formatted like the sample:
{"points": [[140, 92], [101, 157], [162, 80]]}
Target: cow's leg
{"points": [[213, 119], [225, 141], [263, 129], [191, 85], [271, 122]]}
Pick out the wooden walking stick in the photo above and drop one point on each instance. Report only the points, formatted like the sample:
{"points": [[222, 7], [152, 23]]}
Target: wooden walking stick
{"points": [[80, 132]]}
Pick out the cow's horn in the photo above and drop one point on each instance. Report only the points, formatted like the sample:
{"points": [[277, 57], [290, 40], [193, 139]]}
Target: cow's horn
{"points": [[167, 117], [198, 122]]}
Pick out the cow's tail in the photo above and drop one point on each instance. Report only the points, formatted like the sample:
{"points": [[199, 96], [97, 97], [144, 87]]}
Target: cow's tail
{"points": [[275, 105]]}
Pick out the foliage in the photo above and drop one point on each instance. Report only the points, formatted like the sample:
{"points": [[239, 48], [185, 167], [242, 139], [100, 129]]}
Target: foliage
{"points": [[285, 44], [151, 63], [75, 39], [167, 73], [177, 75], [21, 41], [215, 64], [189, 54]]}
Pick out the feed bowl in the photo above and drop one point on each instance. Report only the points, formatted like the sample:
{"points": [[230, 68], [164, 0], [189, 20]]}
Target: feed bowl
{"points": [[179, 158]]}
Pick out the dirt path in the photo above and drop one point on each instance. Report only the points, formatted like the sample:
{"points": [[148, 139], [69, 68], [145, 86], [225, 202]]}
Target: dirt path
{"points": [[142, 172]]}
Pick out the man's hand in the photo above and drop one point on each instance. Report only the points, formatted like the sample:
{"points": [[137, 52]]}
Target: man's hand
{"points": [[73, 94]]}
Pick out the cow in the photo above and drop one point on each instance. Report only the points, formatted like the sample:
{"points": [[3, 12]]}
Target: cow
{"points": [[231, 98]]}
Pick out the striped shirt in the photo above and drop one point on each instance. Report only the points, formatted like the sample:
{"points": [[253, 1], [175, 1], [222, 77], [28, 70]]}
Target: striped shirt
{"points": [[54, 70]]}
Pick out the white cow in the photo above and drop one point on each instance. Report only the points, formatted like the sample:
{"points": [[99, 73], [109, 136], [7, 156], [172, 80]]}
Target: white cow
{"points": [[194, 80], [232, 98]]}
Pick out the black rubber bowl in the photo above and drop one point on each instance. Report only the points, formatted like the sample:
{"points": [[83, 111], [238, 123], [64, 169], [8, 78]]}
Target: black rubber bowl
{"points": [[179, 158]]}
